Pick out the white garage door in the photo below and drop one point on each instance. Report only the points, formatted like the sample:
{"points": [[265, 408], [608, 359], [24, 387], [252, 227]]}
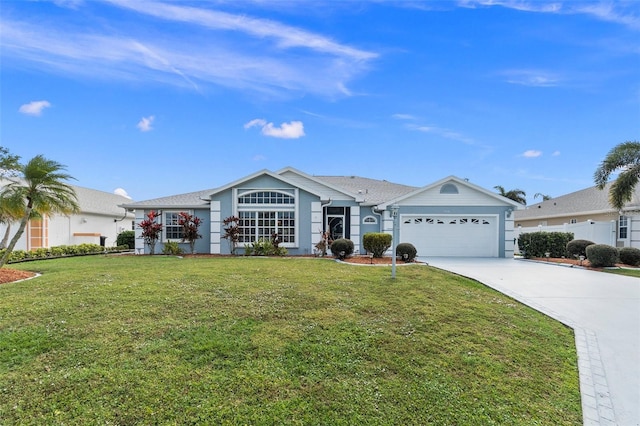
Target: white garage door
{"points": [[463, 236]]}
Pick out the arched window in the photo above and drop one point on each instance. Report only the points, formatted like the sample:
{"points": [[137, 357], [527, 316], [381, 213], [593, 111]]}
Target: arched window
{"points": [[448, 188], [265, 214], [369, 220]]}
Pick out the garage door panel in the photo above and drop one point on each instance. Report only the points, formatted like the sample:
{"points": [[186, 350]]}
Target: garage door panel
{"points": [[451, 235]]}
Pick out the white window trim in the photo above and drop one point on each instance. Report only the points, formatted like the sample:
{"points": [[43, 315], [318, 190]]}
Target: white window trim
{"points": [[164, 238], [295, 207], [620, 226], [374, 222]]}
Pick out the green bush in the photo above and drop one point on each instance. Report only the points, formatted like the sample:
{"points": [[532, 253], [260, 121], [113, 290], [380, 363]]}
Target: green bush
{"points": [[537, 244], [172, 247], [629, 256], [265, 247], [602, 255], [577, 248], [126, 238], [377, 243], [408, 249], [342, 245]]}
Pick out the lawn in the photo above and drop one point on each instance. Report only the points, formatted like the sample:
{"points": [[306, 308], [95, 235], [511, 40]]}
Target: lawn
{"points": [[166, 340]]}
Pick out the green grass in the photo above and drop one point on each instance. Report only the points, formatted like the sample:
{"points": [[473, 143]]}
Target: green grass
{"points": [[163, 340], [624, 271]]}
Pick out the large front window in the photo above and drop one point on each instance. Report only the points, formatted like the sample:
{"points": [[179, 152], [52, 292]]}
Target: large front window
{"points": [[266, 215], [172, 230]]}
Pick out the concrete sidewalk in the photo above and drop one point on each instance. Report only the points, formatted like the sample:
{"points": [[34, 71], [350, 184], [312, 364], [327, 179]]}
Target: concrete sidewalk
{"points": [[604, 311]]}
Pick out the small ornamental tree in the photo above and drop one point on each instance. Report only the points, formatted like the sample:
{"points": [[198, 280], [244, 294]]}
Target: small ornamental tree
{"points": [[377, 243], [151, 230], [190, 225], [232, 232]]}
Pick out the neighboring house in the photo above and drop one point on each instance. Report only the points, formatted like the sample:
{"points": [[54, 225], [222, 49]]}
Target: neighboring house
{"points": [[588, 214], [451, 217], [100, 221]]}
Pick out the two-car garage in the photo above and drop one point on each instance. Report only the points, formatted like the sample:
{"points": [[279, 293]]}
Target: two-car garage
{"points": [[451, 235]]}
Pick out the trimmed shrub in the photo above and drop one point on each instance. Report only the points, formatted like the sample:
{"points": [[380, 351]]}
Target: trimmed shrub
{"points": [[376, 243], [602, 255], [408, 249], [629, 256], [126, 238], [342, 245], [537, 244], [577, 248]]}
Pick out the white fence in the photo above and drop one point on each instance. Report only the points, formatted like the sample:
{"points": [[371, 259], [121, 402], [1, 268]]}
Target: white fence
{"points": [[598, 232]]}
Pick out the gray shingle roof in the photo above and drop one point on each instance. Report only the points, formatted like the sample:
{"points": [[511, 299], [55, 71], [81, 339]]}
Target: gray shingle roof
{"points": [[94, 201], [373, 191], [589, 200], [99, 202], [190, 199]]}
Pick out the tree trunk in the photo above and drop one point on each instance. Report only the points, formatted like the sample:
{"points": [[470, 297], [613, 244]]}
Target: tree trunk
{"points": [[5, 239], [14, 240]]}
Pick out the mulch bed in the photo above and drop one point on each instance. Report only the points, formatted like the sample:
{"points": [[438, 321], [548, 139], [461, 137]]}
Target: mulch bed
{"points": [[10, 275], [366, 260]]}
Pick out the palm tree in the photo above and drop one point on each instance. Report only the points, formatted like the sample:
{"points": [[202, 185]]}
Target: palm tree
{"points": [[517, 195], [40, 190], [624, 158], [541, 195]]}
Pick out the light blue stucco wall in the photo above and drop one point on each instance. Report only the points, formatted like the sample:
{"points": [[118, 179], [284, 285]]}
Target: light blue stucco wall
{"points": [[202, 244], [304, 238]]}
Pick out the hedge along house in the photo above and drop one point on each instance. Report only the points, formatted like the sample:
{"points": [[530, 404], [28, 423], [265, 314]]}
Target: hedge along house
{"points": [[451, 217]]}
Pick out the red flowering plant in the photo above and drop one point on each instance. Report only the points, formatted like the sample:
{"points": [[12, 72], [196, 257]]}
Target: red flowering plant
{"points": [[232, 232], [151, 230], [190, 225]]}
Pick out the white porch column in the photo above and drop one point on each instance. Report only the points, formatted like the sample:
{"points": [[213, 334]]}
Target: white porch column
{"points": [[354, 230], [316, 223], [509, 235], [216, 227]]}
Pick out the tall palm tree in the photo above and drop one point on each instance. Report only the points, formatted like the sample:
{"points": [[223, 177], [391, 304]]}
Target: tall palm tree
{"points": [[624, 158], [40, 190], [517, 195]]}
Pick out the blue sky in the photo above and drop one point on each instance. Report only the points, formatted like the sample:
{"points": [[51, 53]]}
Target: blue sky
{"points": [[158, 98]]}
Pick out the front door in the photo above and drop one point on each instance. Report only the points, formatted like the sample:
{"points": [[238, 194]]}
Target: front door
{"points": [[335, 226]]}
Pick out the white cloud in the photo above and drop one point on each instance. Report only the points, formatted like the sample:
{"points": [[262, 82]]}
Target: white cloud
{"points": [[255, 122], [608, 11], [34, 108], [259, 157], [534, 78], [556, 153], [145, 123], [292, 130], [532, 153], [214, 48], [445, 133], [121, 192], [403, 117]]}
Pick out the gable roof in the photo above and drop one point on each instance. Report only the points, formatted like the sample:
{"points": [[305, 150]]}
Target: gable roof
{"points": [[202, 198], [586, 201], [371, 191], [324, 183], [458, 181]]}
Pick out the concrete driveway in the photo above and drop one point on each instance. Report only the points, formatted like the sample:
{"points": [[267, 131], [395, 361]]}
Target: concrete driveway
{"points": [[604, 311]]}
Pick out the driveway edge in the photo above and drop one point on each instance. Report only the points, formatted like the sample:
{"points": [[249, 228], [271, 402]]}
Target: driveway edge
{"points": [[597, 408]]}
